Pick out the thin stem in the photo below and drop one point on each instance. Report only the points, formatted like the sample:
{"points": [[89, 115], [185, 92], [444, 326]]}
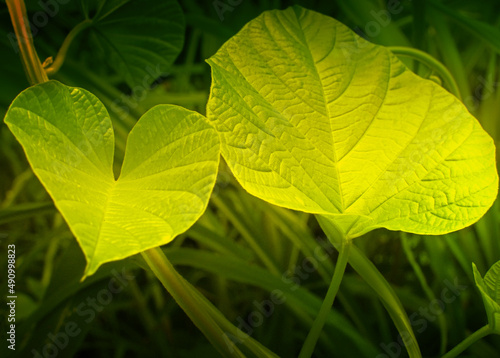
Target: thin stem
{"points": [[142, 304], [372, 276], [254, 346], [31, 62], [462, 346], [25, 210], [313, 336], [61, 55], [246, 234], [447, 47], [432, 63], [180, 291], [18, 186], [425, 286]]}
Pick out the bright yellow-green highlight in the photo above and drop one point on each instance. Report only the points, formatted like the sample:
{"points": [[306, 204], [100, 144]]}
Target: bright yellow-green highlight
{"points": [[314, 118], [168, 173]]}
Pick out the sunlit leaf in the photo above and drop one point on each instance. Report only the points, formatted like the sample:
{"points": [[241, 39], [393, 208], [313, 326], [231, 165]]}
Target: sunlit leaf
{"points": [[168, 172], [314, 118]]}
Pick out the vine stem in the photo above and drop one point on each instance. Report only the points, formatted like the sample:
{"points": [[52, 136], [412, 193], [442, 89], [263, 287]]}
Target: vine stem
{"points": [[253, 345], [176, 285], [372, 276], [63, 50], [31, 62], [462, 346], [313, 336], [432, 63], [189, 297], [427, 290]]}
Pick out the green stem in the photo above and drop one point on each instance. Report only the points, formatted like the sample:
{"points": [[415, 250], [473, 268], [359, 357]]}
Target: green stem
{"points": [[432, 63], [25, 210], [31, 62], [180, 289], [177, 286], [372, 276], [449, 51], [425, 286], [49, 260], [462, 346], [18, 186], [313, 336], [301, 240], [142, 304], [254, 346], [61, 55], [238, 223]]}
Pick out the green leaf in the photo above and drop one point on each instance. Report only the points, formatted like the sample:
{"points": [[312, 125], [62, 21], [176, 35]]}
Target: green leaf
{"points": [[141, 38], [168, 172], [490, 291], [314, 118]]}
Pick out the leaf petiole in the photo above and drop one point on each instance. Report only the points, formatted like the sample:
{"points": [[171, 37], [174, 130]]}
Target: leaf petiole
{"points": [[180, 290], [432, 63], [201, 311], [427, 290], [313, 336], [372, 276], [61, 55], [462, 346]]}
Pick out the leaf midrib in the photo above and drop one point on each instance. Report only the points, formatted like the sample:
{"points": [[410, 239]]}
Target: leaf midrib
{"points": [[291, 154], [308, 53], [104, 214]]}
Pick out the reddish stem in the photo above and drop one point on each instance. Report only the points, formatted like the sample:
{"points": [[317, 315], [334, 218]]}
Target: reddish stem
{"points": [[32, 65]]}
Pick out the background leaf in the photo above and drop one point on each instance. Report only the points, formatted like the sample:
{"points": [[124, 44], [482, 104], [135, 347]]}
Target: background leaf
{"points": [[140, 39], [314, 118], [482, 30], [167, 176]]}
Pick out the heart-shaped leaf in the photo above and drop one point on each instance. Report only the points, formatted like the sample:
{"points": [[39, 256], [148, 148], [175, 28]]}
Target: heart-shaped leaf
{"points": [[314, 118], [140, 38], [167, 176], [490, 291]]}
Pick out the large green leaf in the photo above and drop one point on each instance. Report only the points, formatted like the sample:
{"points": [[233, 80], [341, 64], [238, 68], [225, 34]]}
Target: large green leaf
{"points": [[490, 291], [140, 38], [314, 118], [168, 172]]}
